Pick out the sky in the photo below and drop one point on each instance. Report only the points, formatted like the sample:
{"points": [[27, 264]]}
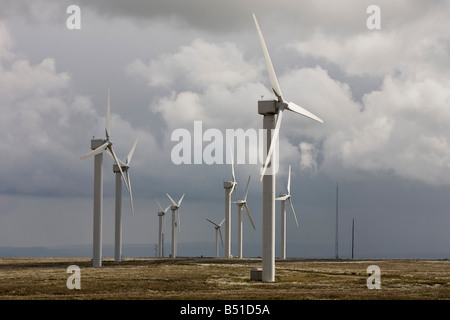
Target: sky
{"points": [[383, 95]]}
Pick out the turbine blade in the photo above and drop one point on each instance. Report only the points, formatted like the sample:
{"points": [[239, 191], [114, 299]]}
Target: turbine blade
{"points": [[289, 181], [159, 205], [181, 199], [165, 210], [173, 202], [246, 189], [108, 115], [285, 197], [293, 211], [273, 141], [122, 164], [220, 224], [213, 222], [297, 109], [232, 165], [273, 78], [96, 151], [178, 219], [118, 164], [249, 216], [130, 154], [129, 191], [221, 238]]}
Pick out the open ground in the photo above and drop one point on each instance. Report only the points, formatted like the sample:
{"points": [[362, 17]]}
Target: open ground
{"points": [[219, 279]]}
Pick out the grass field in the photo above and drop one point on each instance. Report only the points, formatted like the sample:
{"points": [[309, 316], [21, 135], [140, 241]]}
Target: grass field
{"points": [[220, 279]]}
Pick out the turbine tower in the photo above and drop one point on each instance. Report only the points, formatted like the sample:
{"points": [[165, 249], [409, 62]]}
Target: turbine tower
{"points": [[161, 214], [283, 198], [118, 218], [240, 204], [229, 187], [218, 232], [98, 146], [175, 222], [269, 109]]}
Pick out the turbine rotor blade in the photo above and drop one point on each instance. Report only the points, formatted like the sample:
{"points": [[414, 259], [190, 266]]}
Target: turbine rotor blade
{"points": [[213, 223], [221, 238], [165, 210], [118, 165], [232, 165], [293, 211], [181, 199], [249, 216], [273, 78], [246, 189], [273, 141], [159, 205], [96, 151], [130, 154], [173, 202], [108, 115], [297, 109], [220, 224], [129, 191], [284, 197], [289, 181]]}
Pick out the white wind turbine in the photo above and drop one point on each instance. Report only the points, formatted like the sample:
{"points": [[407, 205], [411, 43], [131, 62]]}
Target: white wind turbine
{"points": [[269, 109], [229, 186], [218, 232], [175, 222], [161, 214], [98, 146], [283, 198], [240, 204], [124, 167]]}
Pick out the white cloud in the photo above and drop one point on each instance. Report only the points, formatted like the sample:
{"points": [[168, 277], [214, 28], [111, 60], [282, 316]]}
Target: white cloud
{"points": [[413, 46], [197, 65]]}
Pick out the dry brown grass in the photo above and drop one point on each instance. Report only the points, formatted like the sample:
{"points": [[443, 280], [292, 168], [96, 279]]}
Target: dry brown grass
{"points": [[218, 279]]}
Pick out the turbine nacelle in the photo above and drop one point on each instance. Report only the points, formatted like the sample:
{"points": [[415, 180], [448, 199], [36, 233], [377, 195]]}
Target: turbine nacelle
{"points": [[229, 184]]}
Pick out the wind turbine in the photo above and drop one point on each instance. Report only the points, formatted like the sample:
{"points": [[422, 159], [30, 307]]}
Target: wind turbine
{"points": [[175, 222], [269, 109], [229, 186], [98, 146], [240, 204], [218, 232], [124, 167], [283, 198], [161, 215]]}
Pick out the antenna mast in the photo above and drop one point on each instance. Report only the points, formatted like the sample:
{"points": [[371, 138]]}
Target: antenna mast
{"points": [[353, 235], [336, 242]]}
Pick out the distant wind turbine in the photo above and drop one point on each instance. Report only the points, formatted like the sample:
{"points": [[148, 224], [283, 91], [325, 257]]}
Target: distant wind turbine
{"points": [[218, 232], [161, 214], [118, 218], [175, 222], [98, 146], [229, 186], [240, 204], [283, 198]]}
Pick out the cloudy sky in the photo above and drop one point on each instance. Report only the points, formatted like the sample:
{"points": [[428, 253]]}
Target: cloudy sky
{"points": [[383, 95]]}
